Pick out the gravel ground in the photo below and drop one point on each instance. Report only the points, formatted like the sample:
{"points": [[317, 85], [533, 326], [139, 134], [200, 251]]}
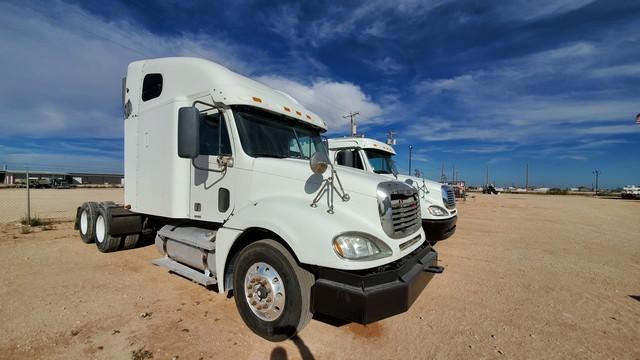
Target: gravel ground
{"points": [[526, 277], [51, 203]]}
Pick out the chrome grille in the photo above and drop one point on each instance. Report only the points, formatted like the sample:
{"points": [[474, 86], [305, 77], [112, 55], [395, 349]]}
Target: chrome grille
{"points": [[449, 197], [399, 208], [405, 213]]}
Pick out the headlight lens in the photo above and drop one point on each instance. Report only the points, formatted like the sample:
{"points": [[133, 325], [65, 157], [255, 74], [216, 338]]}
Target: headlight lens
{"points": [[360, 246], [437, 211]]}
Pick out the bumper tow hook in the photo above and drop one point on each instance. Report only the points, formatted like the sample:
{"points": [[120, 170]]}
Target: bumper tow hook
{"points": [[434, 269]]}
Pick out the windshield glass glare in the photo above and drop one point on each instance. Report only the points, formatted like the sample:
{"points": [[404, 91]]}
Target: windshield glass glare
{"points": [[381, 162], [264, 134]]}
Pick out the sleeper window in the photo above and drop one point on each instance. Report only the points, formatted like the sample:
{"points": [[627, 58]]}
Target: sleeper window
{"points": [[151, 86]]}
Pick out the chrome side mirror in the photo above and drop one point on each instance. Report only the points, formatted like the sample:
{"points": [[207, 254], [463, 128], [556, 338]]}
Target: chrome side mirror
{"points": [[319, 162]]}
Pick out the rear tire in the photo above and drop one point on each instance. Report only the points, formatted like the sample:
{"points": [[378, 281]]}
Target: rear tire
{"points": [[130, 241], [279, 319], [87, 221], [104, 241]]}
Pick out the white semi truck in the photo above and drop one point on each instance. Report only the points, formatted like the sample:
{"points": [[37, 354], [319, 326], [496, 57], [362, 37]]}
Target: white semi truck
{"points": [[437, 201], [630, 192], [234, 182]]}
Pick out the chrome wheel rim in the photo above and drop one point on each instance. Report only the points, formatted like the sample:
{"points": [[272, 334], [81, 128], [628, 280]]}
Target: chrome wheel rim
{"points": [[84, 222], [264, 291], [100, 230]]}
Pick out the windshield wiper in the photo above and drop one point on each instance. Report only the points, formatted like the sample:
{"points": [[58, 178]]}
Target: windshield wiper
{"points": [[382, 172], [269, 155]]}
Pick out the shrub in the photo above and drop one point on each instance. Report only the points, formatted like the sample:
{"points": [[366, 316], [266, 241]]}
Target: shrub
{"points": [[35, 221]]}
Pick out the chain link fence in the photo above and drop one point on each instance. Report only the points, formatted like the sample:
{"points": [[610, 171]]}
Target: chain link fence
{"points": [[19, 203]]}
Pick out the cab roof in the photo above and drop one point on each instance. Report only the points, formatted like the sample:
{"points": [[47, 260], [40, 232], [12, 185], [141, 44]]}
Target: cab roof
{"points": [[189, 76], [364, 143]]}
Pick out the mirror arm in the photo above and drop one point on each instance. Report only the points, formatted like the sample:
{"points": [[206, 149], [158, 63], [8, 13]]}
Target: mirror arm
{"points": [[216, 105], [193, 162]]}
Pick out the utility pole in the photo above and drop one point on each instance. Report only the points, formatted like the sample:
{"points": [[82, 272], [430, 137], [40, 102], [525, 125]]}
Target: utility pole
{"points": [[350, 116], [597, 173], [410, 150], [526, 178], [443, 178], [28, 198], [487, 178], [453, 173]]}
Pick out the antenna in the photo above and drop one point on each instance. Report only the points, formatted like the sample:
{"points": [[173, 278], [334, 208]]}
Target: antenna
{"points": [[350, 116]]}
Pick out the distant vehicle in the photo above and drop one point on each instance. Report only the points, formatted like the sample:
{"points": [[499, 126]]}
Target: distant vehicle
{"points": [[630, 192], [42, 183], [459, 189], [489, 189], [60, 184]]}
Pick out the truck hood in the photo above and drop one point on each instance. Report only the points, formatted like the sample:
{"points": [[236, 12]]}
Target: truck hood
{"points": [[433, 193], [353, 180]]}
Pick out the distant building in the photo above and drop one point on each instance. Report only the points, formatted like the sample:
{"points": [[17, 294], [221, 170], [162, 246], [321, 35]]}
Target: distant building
{"points": [[10, 177]]}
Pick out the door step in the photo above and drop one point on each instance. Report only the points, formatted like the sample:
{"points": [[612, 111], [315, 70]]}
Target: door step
{"points": [[183, 270]]}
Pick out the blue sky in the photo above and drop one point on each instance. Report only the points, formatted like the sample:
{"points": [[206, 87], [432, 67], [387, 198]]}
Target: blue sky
{"points": [[468, 83]]}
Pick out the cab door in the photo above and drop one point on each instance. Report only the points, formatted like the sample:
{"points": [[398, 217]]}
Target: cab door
{"points": [[212, 198]]}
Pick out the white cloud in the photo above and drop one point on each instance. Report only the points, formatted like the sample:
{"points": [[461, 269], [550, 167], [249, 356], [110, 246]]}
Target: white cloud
{"points": [[573, 157], [329, 99], [630, 128], [486, 149], [63, 68], [523, 100], [627, 70], [457, 83], [86, 158], [367, 19], [534, 10], [386, 65]]}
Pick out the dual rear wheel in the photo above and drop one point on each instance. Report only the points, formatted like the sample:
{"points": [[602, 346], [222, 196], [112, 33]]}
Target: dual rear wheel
{"points": [[94, 223]]}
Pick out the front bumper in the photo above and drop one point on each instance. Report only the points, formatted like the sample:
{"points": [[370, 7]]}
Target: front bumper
{"points": [[370, 295], [436, 230]]}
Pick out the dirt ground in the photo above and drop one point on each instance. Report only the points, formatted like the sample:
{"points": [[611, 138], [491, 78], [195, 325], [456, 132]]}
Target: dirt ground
{"points": [[526, 277], [51, 203]]}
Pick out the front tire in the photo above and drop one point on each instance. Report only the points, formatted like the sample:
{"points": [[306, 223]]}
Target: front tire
{"points": [[272, 293]]}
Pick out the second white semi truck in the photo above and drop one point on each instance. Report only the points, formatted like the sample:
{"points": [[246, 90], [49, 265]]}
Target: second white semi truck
{"points": [[437, 201], [234, 182]]}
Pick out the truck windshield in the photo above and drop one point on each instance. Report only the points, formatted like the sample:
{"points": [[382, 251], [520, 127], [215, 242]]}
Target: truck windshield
{"points": [[381, 162], [264, 134]]}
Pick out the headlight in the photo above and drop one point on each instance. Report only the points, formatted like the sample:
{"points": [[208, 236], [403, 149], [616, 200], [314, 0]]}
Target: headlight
{"points": [[437, 211], [360, 246]]}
